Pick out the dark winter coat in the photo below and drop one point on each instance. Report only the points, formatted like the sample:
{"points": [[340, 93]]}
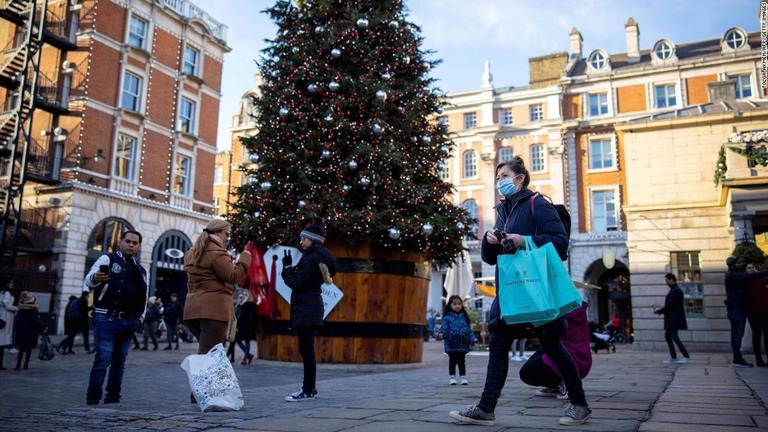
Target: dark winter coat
{"points": [[736, 286], [674, 310], [247, 321], [28, 325], [513, 216], [457, 333], [305, 280], [70, 323], [172, 314]]}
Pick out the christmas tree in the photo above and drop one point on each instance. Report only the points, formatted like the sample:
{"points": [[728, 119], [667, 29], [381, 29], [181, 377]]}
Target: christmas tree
{"points": [[346, 132]]}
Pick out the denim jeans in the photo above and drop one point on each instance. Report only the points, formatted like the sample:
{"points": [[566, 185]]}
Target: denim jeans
{"points": [[244, 344], [550, 336], [738, 319], [113, 339]]}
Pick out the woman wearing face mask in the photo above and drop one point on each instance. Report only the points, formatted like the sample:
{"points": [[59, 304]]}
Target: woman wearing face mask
{"points": [[211, 285], [515, 218]]}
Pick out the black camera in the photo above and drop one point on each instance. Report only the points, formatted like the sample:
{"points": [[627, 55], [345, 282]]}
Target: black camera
{"points": [[507, 245]]}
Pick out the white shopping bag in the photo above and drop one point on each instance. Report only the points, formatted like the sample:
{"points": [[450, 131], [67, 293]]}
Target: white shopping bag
{"points": [[213, 380]]}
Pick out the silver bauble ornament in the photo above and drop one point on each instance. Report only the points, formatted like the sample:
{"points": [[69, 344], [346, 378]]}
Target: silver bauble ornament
{"points": [[406, 60], [414, 139], [302, 203], [254, 158], [386, 76], [362, 23], [394, 24], [335, 53], [460, 225], [329, 118], [252, 180], [352, 165], [346, 188], [440, 165], [426, 139], [266, 185], [325, 154], [439, 110], [275, 73], [319, 29], [295, 50], [312, 88], [283, 112], [394, 233], [427, 228], [365, 181], [381, 95], [401, 109], [445, 149], [256, 214], [333, 86], [377, 129]]}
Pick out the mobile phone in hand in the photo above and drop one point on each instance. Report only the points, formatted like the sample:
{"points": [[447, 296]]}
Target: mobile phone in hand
{"points": [[104, 269]]}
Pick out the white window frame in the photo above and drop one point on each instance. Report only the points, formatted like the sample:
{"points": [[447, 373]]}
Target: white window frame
{"points": [[536, 112], [616, 210], [506, 117], [443, 120], [666, 95], [125, 165], [470, 120], [137, 99], [218, 175], [191, 67], [611, 149], [142, 38], [602, 105], [469, 164], [538, 158], [598, 60], [740, 88], [445, 172], [186, 176], [216, 204], [187, 120], [503, 157], [664, 50]]}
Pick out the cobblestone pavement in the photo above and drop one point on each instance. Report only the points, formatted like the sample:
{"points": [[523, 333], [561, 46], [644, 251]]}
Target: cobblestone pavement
{"points": [[628, 391]]}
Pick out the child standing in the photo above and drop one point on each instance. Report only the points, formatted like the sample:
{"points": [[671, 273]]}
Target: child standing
{"points": [[456, 332]]}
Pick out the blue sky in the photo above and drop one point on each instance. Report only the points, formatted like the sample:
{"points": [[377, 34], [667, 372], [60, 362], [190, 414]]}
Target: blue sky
{"points": [[464, 34]]}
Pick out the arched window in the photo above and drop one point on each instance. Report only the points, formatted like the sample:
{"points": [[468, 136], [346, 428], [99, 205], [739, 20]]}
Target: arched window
{"points": [[735, 38], [470, 164], [664, 49], [598, 59], [105, 238]]}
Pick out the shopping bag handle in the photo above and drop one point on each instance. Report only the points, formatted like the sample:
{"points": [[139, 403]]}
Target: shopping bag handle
{"points": [[529, 244]]}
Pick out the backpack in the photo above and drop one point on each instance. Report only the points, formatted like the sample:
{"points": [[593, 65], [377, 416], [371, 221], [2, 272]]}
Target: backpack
{"points": [[562, 212], [73, 310]]}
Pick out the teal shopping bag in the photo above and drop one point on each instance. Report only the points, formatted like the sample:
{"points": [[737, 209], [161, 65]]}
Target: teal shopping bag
{"points": [[561, 288], [523, 294]]}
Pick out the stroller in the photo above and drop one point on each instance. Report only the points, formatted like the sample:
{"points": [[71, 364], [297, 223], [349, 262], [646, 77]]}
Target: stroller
{"points": [[600, 340]]}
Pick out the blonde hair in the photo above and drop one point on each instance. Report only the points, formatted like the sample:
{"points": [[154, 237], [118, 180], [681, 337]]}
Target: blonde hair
{"points": [[197, 249]]}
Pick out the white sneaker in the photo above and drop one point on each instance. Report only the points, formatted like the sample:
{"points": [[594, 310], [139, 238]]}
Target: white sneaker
{"points": [[525, 357], [684, 360], [516, 358], [452, 381], [670, 361], [464, 381]]}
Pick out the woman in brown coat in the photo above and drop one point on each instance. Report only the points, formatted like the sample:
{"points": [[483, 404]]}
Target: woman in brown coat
{"points": [[211, 279]]}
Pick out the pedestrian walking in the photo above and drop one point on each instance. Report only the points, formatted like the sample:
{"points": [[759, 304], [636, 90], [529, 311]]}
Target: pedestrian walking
{"points": [[674, 320], [172, 315], [28, 328], [518, 215], [458, 338], [315, 267], [757, 314], [247, 322], [120, 290], [736, 292], [541, 371], [76, 321], [211, 283], [151, 320], [7, 315]]}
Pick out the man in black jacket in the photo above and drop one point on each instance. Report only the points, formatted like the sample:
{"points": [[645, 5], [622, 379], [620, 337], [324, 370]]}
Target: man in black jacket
{"points": [[172, 317], [674, 319], [120, 299], [736, 291]]}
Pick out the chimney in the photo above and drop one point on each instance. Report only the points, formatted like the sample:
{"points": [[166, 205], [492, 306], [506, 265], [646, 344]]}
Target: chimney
{"points": [[633, 41], [576, 44], [722, 91]]}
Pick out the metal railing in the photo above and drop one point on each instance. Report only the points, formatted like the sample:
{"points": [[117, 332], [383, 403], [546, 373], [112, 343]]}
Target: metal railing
{"points": [[187, 9]]}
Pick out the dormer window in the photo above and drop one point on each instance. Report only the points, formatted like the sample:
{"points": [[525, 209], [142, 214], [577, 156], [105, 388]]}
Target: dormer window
{"points": [[598, 60], [735, 39], [664, 50]]}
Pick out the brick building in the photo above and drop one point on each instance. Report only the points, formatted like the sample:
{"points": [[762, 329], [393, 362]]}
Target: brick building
{"points": [[121, 136]]}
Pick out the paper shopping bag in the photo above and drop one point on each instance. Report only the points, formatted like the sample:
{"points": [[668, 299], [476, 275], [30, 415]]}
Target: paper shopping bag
{"points": [[561, 288], [213, 381], [522, 292]]}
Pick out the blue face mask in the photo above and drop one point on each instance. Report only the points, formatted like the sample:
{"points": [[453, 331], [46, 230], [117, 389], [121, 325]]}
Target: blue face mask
{"points": [[506, 187]]}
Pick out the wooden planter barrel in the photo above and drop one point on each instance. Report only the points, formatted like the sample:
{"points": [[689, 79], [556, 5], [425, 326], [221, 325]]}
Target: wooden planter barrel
{"points": [[380, 319]]}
